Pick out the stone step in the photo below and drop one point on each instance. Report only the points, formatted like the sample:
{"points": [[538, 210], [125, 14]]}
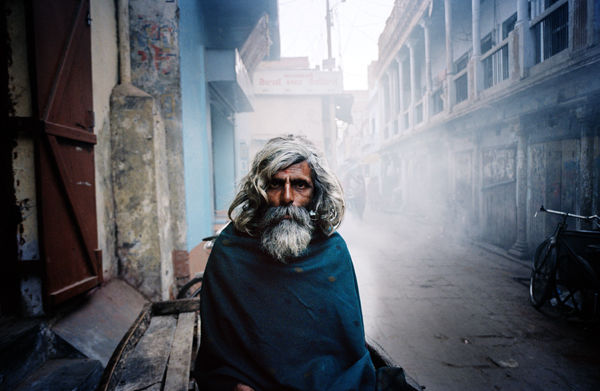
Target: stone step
{"points": [[62, 374], [23, 349]]}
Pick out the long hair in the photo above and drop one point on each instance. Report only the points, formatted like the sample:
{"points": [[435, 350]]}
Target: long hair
{"points": [[327, 205]]}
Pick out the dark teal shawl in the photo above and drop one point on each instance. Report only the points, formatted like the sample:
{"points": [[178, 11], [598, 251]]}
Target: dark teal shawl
{"points": [[275, 326]]}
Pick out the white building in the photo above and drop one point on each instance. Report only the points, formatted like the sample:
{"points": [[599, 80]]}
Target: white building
{"points": [[488, 109]]}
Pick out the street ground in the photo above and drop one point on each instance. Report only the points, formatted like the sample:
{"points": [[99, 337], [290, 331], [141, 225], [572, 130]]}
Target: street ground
{"points": [[458, 317]]}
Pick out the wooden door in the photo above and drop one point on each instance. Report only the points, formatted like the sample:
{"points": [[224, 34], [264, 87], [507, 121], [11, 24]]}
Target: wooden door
{"points": [[65, 148]]}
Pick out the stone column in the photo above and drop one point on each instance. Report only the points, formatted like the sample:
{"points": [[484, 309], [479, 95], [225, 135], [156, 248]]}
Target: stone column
{"points": [[586, 173], [450, 94], [400, 60], [388, 98], [428, 83], [476, 58], [523, 44], [413, 84], [520, 248], [390, 94], [381, 104]]}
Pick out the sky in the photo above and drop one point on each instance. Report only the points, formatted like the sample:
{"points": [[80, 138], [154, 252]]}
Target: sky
{"points": [[357, 25]]}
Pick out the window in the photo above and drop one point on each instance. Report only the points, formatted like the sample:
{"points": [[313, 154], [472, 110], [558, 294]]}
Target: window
{"points": [[487, 43], [495, 67], [552, 34], [461, 63], [462, 88], [508, 25]]}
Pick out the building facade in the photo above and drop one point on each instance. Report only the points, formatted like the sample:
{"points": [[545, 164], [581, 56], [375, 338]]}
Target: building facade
{"points": [[116, 116], [487, 109]]}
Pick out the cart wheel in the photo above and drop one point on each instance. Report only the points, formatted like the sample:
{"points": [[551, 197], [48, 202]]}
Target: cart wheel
{"points": [[541, 284], [191, 288]]}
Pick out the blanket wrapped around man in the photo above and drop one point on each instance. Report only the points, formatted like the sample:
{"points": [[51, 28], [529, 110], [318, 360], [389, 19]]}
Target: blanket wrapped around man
{"points": [[281, 326]]}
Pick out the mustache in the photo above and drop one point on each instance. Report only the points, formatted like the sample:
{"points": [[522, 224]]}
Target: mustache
{"points": [[276, 214]]}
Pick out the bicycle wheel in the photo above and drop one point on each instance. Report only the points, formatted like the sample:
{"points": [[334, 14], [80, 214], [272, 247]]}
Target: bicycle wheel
{"points": [[566, 294], [191, 288], [541, 282]]}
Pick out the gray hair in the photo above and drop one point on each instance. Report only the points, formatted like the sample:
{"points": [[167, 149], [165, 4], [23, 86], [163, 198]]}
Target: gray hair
{"points": [[251, 201]]}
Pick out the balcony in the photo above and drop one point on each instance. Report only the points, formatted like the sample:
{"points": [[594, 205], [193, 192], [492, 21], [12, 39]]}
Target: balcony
{"points": [[553, 39], [551, 32], [495, 65]]}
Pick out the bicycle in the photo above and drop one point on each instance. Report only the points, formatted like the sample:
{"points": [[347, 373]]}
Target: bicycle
{"points": [[192, 287], [561, 275]]}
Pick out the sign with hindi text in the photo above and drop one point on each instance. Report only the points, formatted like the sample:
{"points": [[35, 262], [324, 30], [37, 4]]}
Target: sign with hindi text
{"points": [[297, 82]]}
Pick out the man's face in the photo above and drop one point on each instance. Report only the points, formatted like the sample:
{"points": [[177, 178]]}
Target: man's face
{"points": [[286, 225], [291, 186]]}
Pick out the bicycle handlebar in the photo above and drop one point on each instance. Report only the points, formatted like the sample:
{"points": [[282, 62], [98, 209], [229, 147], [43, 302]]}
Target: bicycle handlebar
{"points": [[556, 212]]}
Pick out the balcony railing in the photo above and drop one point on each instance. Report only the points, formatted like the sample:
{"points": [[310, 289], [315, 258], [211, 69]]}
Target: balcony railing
{"points": [[495, 66], [437, 101], [419, 112], [552, 34], [461, 84]]}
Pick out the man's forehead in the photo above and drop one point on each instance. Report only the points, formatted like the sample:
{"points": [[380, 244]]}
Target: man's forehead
{"points": [[297, 169]]}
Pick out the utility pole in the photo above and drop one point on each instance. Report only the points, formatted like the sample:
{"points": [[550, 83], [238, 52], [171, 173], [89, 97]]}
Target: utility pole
{"points": [[329, 24]]}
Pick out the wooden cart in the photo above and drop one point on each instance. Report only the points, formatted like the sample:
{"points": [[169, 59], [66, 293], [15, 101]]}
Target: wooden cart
{"points": [[158, 350]]}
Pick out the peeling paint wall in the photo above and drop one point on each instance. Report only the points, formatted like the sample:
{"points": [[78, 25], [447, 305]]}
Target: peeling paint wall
{"points": [[23, 159], [155, 69], [142, 209]]}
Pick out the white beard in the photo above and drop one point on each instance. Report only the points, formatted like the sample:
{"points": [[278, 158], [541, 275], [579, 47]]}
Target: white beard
{"points": [[283, 238]]}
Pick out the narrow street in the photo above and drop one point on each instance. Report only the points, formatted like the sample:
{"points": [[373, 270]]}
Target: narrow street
{"points": [[458, 317]]}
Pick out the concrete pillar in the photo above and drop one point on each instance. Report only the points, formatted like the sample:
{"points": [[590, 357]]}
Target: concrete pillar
{"points": [[400, 60], [141, 192], [524, 44], [389, 99], [381, 105], [413, 84], [522, 11], [476, 72], [586, 160], [428, 82], [450, 94], [140, 181], [520, 248], [124, 47]]}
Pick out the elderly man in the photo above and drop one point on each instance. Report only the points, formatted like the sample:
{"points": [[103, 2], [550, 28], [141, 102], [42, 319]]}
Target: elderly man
{"points": [[280, 306]]}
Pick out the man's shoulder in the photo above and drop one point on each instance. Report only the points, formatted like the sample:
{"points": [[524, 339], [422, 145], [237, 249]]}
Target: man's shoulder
{"points": [[333, 240], [231, 237]]}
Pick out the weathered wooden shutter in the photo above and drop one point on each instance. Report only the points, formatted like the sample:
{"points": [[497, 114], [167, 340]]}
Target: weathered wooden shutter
{"points": [[65, 148]]}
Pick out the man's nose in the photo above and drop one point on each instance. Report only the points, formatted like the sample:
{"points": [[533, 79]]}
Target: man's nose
{"points": [[287, 197]]}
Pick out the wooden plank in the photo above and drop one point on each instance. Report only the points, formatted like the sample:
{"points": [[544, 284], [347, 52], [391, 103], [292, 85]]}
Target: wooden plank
{"points": [[115, 365], [176, 306], [178, 373], [145, 368], [70, 133]]}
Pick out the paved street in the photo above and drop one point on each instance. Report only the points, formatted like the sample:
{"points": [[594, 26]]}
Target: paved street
{"points": [[458, 317]]}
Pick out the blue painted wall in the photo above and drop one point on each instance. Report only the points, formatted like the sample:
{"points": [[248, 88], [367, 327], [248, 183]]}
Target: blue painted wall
{"points": [[196, 134], [223, 141]]}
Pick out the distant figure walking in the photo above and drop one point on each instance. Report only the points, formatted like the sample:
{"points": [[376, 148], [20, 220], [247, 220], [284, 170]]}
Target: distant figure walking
{"points": [[373, 197]]}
